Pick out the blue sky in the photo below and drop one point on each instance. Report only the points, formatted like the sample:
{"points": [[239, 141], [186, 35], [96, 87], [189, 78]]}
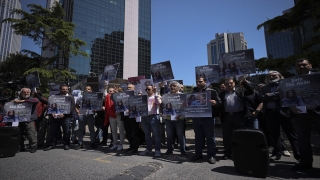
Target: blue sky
{"points": [[181, 29]]}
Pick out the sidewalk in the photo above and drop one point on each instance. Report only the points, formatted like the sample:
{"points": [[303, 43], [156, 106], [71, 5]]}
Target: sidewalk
{"points": [[315, 138]]}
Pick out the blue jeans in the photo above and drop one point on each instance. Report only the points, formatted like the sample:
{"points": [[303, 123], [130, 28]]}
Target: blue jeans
{"points": [[179, 126], [204, 128], [148, 123], [83, 120], [251, 123]]}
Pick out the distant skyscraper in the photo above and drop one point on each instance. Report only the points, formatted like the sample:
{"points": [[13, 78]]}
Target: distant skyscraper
{"points": [[115, 31], [225, 42], [9, 41]]}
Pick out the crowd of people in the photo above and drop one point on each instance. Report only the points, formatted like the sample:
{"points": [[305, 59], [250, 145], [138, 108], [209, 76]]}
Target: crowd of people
{"points": [[237, 105]]}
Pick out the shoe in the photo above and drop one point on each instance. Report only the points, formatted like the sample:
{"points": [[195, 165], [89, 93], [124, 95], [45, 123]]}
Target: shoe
{"points": [[277, 157], [226, 157], [75, 142], [196, 157], [212, 160], [157, 154], [66, 147], [128, 150], [49, 148], [93, 146], [114, 147], [168, 152], [103, 143], [33, 150], [110, 145], [120, 147], [135, 151], [301, 167], [80, 146], [145, 152], [286, 153], [184, 155]]}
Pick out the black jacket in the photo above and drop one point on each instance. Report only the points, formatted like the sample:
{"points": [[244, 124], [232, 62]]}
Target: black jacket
{"points": [[241, 93], [214, 96], [274, 97]]}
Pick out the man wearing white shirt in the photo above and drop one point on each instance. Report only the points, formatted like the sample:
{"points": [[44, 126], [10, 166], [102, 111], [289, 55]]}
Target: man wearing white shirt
{"points": [[152, 121]]}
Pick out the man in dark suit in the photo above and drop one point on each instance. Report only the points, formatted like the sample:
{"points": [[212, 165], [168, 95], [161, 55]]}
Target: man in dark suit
{"points": [[204, 126], [233, 111], [302, 122], [269, 95]]}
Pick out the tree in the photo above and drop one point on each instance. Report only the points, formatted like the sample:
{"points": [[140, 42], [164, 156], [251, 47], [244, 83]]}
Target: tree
{"points": [[46, 27], [304, 10]]}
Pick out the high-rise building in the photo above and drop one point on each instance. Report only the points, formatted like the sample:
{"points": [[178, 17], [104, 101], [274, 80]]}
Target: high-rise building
{"points": [[115, 31], [10, 42], [223, 43], [282, 44]]}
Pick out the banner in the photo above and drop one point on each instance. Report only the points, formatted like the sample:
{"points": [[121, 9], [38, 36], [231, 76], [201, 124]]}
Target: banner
{"points": [[161, 71], [211, 73], [136, 82], [238, 63], [138, 106], [59, 104], [174, 106], [91, 101], [33, 80], [17, 112], [198, 104], [144, 83], [300, 91], [110, 72], [121, 100]]}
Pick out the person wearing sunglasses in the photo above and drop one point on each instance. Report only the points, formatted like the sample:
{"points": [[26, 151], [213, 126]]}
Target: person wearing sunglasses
{"points": [[152, 122]]}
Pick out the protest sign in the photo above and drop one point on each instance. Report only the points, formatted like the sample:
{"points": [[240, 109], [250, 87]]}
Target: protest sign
{"points": [[161, 71], [77, 96], [54, 88], [174, 106], [210, 72], [300, 91], [17, 112], [138, 106], [198, 104], [121, 100], [238, 63], [33, 80], [110, 72], [91, 101], [136, 82], [59, 104]]}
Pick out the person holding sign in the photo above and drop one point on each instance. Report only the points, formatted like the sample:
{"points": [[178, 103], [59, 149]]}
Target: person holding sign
{"points": [[176, 123], [204, 126], [152, 121], [28, 127], [60, 120], [234, 111], [86, 119], [302, 122], [270, 97], [10, 117]]}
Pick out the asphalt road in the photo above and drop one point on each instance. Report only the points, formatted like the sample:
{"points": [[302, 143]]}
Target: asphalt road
{"points": [[105, 164]]}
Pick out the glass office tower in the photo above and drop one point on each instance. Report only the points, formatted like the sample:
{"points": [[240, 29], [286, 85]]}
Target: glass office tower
{"points": [[115, 31]]}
